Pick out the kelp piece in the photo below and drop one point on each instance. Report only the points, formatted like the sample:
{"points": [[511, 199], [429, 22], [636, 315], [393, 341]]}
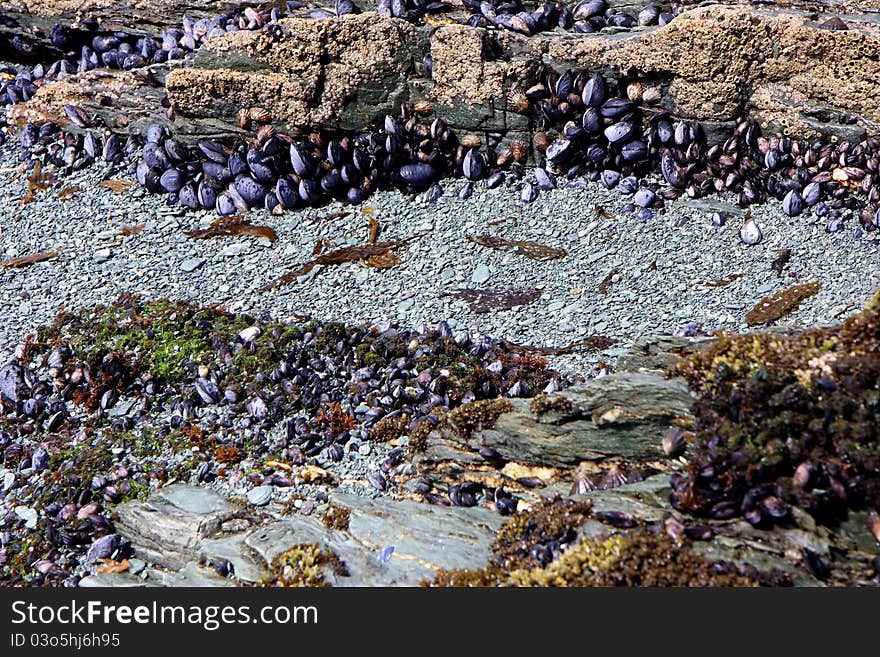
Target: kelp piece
{"points": [[232, 226], [533, 250], [784, 255], [591, 342], [781, 304], [118, 185], [24, 261], [380, 255], [494, 298]]}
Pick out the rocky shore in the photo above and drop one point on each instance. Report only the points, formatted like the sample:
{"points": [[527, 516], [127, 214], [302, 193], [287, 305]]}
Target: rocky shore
{"points": [[464, 295]]}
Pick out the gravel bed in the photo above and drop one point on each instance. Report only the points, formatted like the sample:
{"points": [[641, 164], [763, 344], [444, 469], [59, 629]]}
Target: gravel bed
{"points": [[665, 273]]}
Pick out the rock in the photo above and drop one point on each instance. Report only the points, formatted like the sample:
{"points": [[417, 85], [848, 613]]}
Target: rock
{"points": [[191, 264], [659, 353], [27, 514], [103, 547], [339, 73], [113, 580], [168, 528], [424, 538], [260, 495], [344, 73], [481, 274], [620, 415], [11, 380]]}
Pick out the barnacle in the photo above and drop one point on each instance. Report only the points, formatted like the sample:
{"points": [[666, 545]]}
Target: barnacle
{"points": [[306, 564]]}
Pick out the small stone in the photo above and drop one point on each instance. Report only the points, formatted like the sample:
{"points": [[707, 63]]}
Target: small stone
{"points": [[260, 495], [103, 255], [481, 274], [27, 514], [405, 305], [136, 565], [191, 264]]}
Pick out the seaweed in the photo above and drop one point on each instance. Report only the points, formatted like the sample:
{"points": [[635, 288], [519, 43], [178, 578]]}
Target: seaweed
{"points": [[24, 261], [379, 254], [306, 564], [489, 299], [785, 421], [541, 547], [232, 226], [336, 517], [532, 250], [782, 258], [781, 304], [592, 342]]}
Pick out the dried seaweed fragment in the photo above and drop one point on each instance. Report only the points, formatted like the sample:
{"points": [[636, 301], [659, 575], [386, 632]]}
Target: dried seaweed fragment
{"points": [[69, 192], [781, 260], [781, 304], [533, 250], [232, 226], [726, 280], [40, 179], [118, 185], [133, 229], [24, 261], [607, 281], [495, 298], [594, 342], [378, 255]]}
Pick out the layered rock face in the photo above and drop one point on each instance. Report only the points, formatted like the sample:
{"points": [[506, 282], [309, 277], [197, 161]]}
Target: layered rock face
{"points": [[713, 63]]}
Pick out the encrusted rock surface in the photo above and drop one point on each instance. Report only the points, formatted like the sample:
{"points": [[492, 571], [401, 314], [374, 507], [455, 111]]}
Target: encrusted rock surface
{"points": [[616, 416], [340, 74], [194, 527]]}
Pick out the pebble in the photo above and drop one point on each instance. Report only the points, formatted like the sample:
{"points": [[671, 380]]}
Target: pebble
{"points": [[191, 264], [481, 274], [103, 255], [27, 514], [135, 566], [661, 268], [260, 495]]}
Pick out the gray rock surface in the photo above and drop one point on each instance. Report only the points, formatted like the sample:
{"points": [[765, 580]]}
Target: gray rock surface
{"points": [[181, 528], [616, 416]]}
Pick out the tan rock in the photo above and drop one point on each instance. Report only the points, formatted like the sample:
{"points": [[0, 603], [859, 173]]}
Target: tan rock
{"points": [[321, 73], [713, 63]]}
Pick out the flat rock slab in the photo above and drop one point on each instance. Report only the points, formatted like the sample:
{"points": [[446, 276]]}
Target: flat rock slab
{"points": [[181, 529], [168, 528], [617, 416]]}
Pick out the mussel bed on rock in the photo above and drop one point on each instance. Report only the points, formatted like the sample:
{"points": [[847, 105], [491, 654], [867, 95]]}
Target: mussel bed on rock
{"points": [[785, 421], [542, 547], [208, 388]]}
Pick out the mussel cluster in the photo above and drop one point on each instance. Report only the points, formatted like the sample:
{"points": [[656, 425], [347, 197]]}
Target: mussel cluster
{"points": [[69, 151], [87, 48], [276, 171], [257, 388], [607, 133], [785, 422], [585, 17]]}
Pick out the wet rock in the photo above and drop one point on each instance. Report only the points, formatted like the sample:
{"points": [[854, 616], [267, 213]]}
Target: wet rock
{"points": [[621, 415], [167, 528], [424, 538], [341, 73]]}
